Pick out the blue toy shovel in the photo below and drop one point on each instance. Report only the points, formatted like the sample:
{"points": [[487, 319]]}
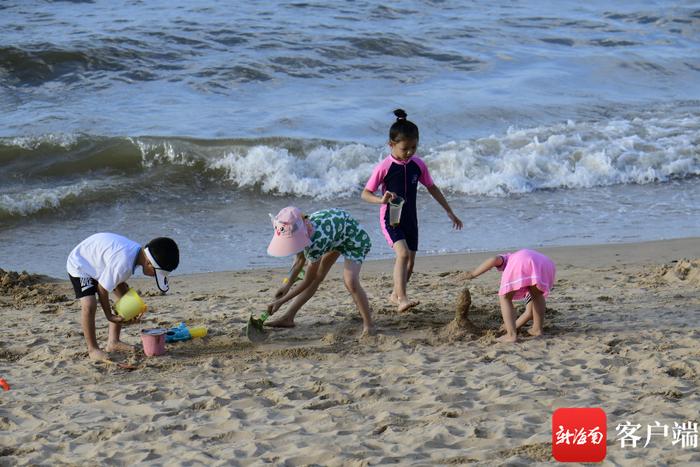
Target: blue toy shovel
{"points": [[254, 330]]}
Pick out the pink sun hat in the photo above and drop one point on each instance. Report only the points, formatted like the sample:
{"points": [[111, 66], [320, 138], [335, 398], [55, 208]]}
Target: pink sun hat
{"points": [[291, 235]]}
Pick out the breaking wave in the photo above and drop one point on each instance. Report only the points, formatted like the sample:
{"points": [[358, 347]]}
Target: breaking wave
{"points": [[49, 172]]}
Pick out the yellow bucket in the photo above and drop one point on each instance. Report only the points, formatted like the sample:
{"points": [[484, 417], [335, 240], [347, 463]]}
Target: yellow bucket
{"points": [[130, 305]]}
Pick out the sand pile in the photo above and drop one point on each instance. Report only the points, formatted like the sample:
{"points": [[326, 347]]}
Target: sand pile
{"points": [[22, 289], [678, 272], [684, 270], [460, 326]]}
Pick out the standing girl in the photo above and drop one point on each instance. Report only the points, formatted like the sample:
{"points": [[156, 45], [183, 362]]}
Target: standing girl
{"points": [[527, 275], [398, 176], [319, 238]]}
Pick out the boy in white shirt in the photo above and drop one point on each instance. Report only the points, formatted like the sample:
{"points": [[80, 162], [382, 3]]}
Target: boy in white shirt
{"points": [[101, 264]]}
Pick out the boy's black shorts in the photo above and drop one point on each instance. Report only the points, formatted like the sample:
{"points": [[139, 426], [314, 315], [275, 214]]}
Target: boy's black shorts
{"points": [[83, 286]]}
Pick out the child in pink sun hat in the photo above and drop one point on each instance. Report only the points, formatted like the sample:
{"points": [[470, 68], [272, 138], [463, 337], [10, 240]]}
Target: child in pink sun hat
{"points": [[527, 275], [319, 238], [291, 233]]}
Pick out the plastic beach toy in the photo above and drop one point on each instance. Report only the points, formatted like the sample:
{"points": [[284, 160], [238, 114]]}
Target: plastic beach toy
{"points": [[153, 341], [395, 207], [130, 305], [4, 385], [198, 331], [183, 333], [254, 330]]}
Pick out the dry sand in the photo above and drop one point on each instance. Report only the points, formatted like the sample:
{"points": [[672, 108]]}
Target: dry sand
{"points": [[621, 333]]}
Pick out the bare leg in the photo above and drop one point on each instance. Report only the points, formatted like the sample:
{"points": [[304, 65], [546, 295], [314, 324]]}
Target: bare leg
{"points": [[508, 314], [522, 319], [351, 277], [400, 266], [525, 317], [411, 263], [398, 295], [113, 342], [88, 307], [287, 319], [538, 307]]}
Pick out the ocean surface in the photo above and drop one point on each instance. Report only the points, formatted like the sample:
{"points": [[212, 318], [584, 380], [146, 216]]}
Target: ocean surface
{"points": [[544, 122]]}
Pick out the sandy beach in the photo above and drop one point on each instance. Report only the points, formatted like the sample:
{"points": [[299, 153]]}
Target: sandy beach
{"points": [[621, 334]]}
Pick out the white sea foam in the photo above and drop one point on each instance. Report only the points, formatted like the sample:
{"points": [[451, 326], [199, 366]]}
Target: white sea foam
{"points": [[25, 203], [64, 140], [324, 172], [570, 155], [567, 155], [162, 152]]}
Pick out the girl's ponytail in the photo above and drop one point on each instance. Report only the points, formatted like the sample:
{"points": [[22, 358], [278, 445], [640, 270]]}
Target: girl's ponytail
{"points": [[402, 129]]}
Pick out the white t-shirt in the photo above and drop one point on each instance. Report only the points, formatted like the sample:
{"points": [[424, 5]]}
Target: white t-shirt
{"points": [[106, 257]]}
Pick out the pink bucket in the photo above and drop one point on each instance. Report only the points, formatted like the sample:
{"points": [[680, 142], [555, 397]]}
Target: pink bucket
{"points": [[153, 341]]}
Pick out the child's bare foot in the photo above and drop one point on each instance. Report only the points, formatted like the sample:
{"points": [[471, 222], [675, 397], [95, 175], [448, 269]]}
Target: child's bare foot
{"points": [[406, 304], [97, 355], [119, 346], [281, 322], [507, 338], [534, 333], [393, 298], [368, 331], [502, 328]]}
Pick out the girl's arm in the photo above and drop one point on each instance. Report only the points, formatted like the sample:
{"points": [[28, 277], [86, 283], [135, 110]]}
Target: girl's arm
{"points": [[374, 199], [103, 296], [310, 277], [288, 282], [440, 198], [297, 266], [496, 261]]}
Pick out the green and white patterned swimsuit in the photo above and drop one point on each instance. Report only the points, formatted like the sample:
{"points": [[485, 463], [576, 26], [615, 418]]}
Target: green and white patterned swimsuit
{"points": [[336, 230]]}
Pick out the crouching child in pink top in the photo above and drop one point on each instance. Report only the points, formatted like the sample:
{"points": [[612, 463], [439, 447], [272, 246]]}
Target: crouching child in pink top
{"points": [[527, 275]]}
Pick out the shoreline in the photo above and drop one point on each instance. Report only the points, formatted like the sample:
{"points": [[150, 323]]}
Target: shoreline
{"points": [[592, 254], [591, 251], [605, 254]]}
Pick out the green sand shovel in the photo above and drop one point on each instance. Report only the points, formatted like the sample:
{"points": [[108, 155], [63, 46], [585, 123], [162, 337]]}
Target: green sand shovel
{"points": [[254, 330]]}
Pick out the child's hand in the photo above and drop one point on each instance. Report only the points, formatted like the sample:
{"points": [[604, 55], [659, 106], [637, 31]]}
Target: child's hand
{"points": [[388, 196], [456, 223], [135, 320], [114, 318], [467, 276], [273, 307], [281, 292]]}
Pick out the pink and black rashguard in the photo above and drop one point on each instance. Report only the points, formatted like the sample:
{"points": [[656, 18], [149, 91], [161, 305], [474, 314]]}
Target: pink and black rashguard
{"points": [[400, 177]]}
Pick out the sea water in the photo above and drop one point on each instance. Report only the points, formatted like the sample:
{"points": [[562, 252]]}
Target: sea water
{"points": [[544, 123]]}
